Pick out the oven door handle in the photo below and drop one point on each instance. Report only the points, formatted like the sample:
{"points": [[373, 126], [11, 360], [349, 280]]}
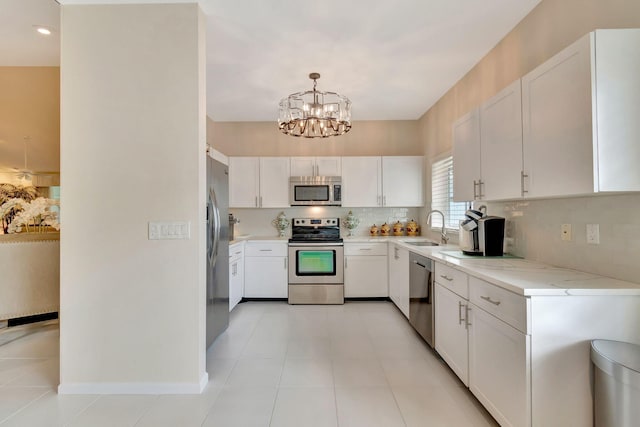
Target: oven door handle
{"points": [[315, 245]]}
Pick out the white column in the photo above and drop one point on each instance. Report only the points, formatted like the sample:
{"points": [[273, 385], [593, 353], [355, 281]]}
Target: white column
{"points": [[132, 151]]}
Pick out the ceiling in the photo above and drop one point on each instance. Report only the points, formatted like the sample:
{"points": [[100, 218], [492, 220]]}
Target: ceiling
{"points": [[393, 59]]}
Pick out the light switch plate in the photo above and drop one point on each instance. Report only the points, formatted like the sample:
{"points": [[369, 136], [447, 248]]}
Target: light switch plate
{"points": [[593, 234], [565, 232], [169, 230]]}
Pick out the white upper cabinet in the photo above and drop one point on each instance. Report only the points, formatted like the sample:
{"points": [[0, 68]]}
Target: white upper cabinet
{"points": [[501, 145], [487, 149], [402, 181], [466, 157], [274, 182], [258, 182], [316, 166], [244, 182], [361, 181], [580, 117]]}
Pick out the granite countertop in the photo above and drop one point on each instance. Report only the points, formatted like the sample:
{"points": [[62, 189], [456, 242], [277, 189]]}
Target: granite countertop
{"points": [[529, 278]]}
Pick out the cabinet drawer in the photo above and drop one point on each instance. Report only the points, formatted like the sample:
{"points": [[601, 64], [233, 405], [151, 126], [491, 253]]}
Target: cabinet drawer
{"points": [[505, 305], [236, 251], [365, 249], [452, 279], [266, 249]]}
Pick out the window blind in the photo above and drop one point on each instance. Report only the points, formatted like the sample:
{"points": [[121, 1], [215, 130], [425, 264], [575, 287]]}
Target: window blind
{"points": [[442, 195]]}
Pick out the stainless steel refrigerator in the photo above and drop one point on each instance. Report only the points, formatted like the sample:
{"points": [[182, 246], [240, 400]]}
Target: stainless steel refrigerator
{"points": [[217, 249]]}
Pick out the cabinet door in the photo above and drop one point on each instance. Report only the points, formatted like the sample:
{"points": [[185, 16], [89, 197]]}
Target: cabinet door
{"points": [[399, 278], [451, 332], [236, 282], [499, 369], [244, 182], [466, 157], [365, 276], [361, 181], [501, 144], [265, 277], [328, 166], [274, 182], [402, 181], [557, 124], [303, 166]]}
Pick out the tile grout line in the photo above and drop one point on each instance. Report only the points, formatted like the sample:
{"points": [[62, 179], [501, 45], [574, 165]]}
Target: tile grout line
{"points": [[157, 397], [85, 408], [22, 408]]}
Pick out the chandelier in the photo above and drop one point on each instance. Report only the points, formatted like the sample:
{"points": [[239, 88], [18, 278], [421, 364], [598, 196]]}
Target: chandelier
{"points": [[314, 114]]}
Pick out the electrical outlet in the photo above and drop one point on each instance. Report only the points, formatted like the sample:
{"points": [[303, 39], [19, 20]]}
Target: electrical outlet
{"points": [[593, 234], [565, 232]]}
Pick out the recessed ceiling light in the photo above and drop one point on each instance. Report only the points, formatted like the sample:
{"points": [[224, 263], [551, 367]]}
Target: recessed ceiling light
{"points": [[43, 30]]}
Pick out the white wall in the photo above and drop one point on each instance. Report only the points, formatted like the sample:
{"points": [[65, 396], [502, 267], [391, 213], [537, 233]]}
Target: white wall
{"points": [[132, 151]]}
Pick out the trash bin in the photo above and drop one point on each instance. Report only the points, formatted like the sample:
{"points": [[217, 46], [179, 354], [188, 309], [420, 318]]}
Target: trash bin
{"points": [[616, 399]]}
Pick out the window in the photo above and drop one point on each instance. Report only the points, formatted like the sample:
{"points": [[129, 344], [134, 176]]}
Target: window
{"points": [[442, 195]]}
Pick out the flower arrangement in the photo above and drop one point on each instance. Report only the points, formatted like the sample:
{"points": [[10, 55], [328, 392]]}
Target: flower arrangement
{"points": [[21, 208]]}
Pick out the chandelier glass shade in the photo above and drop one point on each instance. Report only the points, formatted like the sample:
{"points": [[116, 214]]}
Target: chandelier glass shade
{"points": [[314, 114]]}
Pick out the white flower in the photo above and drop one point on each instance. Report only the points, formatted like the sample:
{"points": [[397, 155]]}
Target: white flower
{"points": [[35, 213]]}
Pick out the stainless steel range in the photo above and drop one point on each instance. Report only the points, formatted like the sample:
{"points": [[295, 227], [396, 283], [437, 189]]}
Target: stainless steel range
{"points": [[316, 262]]}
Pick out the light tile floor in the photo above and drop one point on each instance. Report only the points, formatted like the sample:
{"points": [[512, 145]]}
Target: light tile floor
{"points": [[360, 364]]}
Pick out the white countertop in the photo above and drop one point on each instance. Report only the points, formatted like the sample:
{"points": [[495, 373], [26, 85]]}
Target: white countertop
{"points": [[529, 278], [521, 276]]}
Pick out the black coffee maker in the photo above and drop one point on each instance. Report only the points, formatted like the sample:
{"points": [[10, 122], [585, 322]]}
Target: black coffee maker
{"points": [[482, 235]]}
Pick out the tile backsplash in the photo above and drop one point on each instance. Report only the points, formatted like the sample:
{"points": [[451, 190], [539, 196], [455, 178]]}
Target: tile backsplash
{"points": [[533, 232], [258, 222]]}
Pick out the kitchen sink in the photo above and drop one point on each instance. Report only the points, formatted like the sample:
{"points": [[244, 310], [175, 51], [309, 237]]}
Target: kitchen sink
{"points": [[422, 243]]}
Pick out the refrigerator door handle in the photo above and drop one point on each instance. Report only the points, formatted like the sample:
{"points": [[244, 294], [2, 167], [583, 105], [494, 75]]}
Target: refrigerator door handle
{"points": [[215, 230]]}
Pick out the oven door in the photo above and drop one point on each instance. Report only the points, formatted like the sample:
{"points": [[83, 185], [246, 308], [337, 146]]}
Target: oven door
{"points": [[317, 264]]}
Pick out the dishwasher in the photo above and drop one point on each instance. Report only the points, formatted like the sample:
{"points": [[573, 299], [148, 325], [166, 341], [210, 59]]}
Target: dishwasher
{"points": [[421, 312]]}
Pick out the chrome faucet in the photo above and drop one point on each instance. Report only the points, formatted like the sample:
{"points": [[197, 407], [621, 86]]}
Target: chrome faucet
{"points": [[443, 233]]}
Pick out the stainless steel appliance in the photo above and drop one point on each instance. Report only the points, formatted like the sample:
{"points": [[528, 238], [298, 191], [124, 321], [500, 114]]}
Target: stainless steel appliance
{"points": [[217, 249], [316, 262], [315, 190], [421, 313], [481, 235]]}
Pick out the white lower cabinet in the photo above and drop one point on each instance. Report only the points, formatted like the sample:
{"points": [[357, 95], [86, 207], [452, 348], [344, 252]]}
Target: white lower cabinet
{"points": [[451, 331], [236, 274], [266, 267], [399, 277], [365, 270], [499, 368]]}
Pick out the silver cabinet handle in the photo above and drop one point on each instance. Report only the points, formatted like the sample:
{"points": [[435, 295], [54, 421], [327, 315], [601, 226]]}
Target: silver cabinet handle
{"points": [[447, 278], [384, 200], [345, 262], [260, 201], [467, 309], [395, 253], [365, 249], [522, 177], [256, 202], [379, 200], [488, 299], [286, 263], [460, 318], [475, 186], [266, 250]]}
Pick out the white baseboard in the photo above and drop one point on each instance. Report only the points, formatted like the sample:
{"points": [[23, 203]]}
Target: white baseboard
{"points": [[135, 388]]}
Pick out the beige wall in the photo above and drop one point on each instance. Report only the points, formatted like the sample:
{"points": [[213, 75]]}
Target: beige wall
{"points": [[133, 151], [30, 106], [535, 225], [366, 138]]}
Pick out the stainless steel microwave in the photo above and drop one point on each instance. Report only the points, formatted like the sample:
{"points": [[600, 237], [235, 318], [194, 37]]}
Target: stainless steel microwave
{"points": [[315, 191]]}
